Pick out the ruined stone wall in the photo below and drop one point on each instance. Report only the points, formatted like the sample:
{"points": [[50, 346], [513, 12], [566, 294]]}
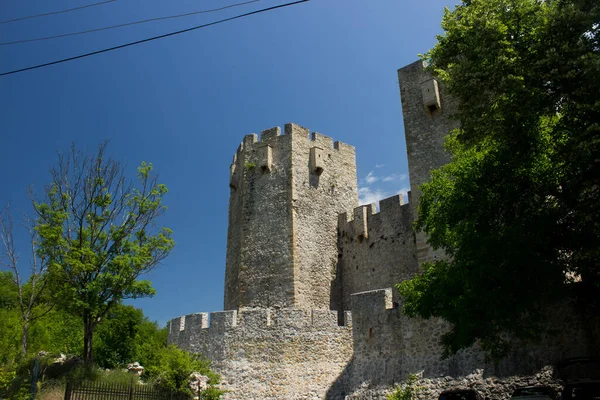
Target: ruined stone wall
{"points": [[376, 249], [426, 110], [388, 346], [269, 354], [286, 193], [324, 185]]}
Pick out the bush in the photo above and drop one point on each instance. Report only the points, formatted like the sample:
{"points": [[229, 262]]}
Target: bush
{"points": [[173, 371], [406, 391]]}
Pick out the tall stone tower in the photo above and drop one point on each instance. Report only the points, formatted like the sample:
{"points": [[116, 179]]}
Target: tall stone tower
{"points": [[425, 108], [286, 194]]}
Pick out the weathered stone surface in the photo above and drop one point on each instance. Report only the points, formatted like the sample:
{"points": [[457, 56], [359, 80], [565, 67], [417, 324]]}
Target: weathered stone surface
{"points": [[298, 355], [282, 240], [425, 131], [307, 316]]}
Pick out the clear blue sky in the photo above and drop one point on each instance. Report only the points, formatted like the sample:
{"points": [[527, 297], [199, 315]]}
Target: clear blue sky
{"points": [[184, 103]]}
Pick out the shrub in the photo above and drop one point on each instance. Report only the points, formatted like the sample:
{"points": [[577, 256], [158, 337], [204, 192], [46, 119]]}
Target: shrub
{"points": [[407, 390]]}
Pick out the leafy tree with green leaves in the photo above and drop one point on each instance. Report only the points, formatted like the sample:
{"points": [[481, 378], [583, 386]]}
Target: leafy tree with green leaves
{"points": [[98, 236], [117, 339], [517, 210], [30, 293]]}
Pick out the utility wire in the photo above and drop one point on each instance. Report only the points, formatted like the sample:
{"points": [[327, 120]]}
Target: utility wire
{"points": [[127, 24], [153, 38], [56, 12]]}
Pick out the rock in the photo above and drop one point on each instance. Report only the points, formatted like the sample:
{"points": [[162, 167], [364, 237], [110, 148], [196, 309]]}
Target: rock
{"points": [[135, 368], [198, 382]]}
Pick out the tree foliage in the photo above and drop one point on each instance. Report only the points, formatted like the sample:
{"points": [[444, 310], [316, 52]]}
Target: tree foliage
{"points": [[98, 236], [518, 209], [30, 293]]}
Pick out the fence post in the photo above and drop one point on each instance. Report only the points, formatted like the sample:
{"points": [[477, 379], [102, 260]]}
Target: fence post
{"points": [[131, 389], [68, 390]]}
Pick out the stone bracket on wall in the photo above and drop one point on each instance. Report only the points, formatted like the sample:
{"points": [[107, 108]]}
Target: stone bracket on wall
{"points": [[431, 95]]}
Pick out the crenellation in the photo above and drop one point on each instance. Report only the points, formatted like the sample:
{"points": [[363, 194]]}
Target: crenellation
{"points": [[362, 214], [344, 147], [300, 247], [370, 302], [348, 319], [293, 129], [196, 321], [322, 141], [254, 318], [270, 133], [324, 319], [249, 141], [391, 204], [223, 320]]}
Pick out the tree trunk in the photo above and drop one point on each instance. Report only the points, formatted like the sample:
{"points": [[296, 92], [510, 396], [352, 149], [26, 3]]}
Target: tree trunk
{"points": [[25, 338], [88, 332]]}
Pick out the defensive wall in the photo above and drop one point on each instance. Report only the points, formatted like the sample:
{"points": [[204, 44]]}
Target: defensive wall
{"points": [[299, 246], [388, 346], [301, 354], [270, 353], [376, 249]]}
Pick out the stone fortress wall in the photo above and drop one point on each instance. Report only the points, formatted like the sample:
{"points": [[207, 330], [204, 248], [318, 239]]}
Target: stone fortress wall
{"points": [[376, 249], [269, 353], [309, 311], [387, 346]]}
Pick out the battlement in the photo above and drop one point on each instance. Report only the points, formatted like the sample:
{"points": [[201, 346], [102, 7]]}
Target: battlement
{"points": [[258, 319], [270, 137], [364, 217]]}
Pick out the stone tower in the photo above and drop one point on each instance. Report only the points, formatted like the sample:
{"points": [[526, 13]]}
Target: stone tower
{"points": [[286, 194], [425, 108]]}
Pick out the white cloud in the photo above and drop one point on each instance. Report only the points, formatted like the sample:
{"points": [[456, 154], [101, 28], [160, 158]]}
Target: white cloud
{"points": [[379, 165], [371, 178], [366, 195], [394, 177]]}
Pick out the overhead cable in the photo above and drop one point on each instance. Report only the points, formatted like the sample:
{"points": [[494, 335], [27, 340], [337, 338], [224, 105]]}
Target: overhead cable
{"points": [[56, 12], [127, 24], [153, 38]]}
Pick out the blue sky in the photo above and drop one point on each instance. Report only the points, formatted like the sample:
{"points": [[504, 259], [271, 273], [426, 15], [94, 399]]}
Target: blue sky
{"points": [[185, 102]]}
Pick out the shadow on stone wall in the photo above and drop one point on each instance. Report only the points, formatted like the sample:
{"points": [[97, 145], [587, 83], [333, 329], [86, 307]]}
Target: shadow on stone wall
{"points": [[388, 346]]}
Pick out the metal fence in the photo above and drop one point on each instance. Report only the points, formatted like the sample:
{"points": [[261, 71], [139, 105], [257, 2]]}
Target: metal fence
{"points": [[114, 391]]}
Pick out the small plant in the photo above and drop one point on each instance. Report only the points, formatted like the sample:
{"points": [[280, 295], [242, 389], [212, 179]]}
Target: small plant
{"points": [[250, 165], [407, 390]]}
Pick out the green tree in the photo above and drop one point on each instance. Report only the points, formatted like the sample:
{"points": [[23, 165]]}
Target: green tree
{"points": [[125, 336], [29, 294], [97, 235], [518, 209]]}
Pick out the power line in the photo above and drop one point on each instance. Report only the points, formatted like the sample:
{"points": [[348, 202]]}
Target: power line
{"points": [[56, 12], [127, 24], [153, 38]]}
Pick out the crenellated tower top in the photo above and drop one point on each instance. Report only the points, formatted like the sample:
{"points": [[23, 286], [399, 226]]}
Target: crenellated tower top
{"points": [[286, 193]]}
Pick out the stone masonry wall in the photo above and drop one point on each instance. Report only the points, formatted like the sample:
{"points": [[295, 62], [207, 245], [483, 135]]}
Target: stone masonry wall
{"points": [[425, 127], [286, 193], [324, 185], [376, 249], [259, 262], [388, 346], [269, 354]]}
